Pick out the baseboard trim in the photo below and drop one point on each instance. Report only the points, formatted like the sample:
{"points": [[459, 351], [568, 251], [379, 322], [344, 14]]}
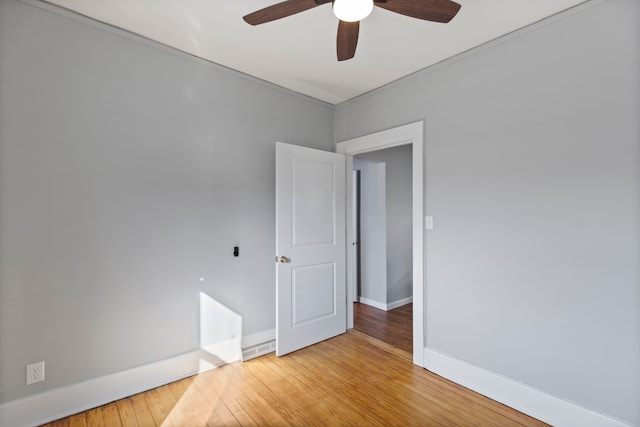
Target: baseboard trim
{"points": [[386, 307], [373, 303], [399, 303], [524, 398], [64, 401], [258, 338], [259, 344]]}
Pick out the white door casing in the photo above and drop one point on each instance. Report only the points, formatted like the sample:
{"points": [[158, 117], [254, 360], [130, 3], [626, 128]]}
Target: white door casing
{"points": [[310, 247], [407, 134]]}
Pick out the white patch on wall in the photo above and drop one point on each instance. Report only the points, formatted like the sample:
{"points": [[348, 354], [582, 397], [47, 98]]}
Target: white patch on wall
{"points": [[220, 330]]}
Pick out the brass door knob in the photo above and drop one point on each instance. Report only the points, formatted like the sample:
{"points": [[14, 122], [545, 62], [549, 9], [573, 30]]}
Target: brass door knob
{"points": [[282, 259]]}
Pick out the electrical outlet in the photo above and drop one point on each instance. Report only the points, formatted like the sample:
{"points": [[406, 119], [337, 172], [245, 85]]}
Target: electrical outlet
{"points": [[35, 372]]}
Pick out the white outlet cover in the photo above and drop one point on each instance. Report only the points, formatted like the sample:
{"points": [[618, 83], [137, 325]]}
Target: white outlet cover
{"points": [[35, 373]]}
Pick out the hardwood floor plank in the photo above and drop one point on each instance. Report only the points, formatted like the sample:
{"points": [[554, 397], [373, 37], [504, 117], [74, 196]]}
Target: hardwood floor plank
{"points": [[232, 401], [144, 417], [395, 377], [229, 408], [259, 408], [225, 416], [463, 398], [234, 407], [60, 423], [212, 386], [394, 326], [352, 379], [276, 393], [286, 393], [127, 413], [350, 408], [160, 402], [112, 415], [95, 417], [310, 398], [388, 405], [199, 407], [185, 412], [78, 420]]}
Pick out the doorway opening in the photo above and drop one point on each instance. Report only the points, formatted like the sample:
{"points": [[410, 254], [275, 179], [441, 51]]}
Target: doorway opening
{"points": [[411, 134], [382, 201]]}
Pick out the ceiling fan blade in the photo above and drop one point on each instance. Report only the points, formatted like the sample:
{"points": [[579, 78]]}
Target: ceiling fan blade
{"points": [[429, 10], [281, 10], [347, 39]]}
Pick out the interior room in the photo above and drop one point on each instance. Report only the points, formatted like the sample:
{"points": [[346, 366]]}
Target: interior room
{"points": [[138, 199]]}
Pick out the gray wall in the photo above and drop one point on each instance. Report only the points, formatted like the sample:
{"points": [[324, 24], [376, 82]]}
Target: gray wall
{"points": [[373, 235], [533, 178], [127, 173], [399, 227]]}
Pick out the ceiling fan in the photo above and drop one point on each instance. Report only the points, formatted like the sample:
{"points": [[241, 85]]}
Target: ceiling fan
{"points": [[351, 12]]}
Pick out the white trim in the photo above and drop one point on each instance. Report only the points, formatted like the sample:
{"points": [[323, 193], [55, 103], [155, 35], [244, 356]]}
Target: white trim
{"points": [[64, 401], [258, 350], [258, 338], [408, 134], [399, 303], [524, 398], [386, 307], [258, 344], [373, 303]]}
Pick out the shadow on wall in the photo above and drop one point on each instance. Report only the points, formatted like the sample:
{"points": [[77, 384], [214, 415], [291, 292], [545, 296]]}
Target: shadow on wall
{"points": [[400, 289]]}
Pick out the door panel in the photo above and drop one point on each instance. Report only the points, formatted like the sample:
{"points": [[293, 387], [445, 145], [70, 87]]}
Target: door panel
{"points": [[313, 192], [313, 293], [310, 235]]}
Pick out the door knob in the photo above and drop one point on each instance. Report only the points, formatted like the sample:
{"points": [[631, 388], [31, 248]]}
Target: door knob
{"points": [[282, 259]]}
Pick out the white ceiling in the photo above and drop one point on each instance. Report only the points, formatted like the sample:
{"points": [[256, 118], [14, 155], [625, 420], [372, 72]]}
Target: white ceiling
{"points": [[299, 52]]}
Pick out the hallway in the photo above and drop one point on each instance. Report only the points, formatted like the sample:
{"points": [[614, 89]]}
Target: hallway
{"points": [[394, 327]]}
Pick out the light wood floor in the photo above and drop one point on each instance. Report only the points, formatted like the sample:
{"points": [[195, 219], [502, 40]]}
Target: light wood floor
{"points": [[352, 379], [394, 327]]}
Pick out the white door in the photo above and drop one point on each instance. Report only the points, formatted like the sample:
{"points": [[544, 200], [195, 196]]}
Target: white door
{"points": [[310, 247]]}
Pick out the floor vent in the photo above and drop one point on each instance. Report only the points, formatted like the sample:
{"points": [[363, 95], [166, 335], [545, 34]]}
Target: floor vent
{"points": [[258, 350]]}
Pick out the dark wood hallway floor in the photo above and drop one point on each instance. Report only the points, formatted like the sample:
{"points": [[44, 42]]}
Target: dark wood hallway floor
{"points": [[394, 327]]}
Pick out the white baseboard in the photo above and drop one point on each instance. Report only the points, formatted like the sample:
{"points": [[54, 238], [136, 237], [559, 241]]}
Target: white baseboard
{"points": [[524, 398], [258, 338], [386, 307], [64, 401], [399, 303], [373, 303], [259, 344]]}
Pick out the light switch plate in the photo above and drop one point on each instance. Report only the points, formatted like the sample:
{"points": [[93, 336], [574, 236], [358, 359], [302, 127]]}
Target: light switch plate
{"points": [[428, 222]]}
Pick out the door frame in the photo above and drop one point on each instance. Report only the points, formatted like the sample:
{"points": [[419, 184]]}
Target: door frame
{"points": [[413, 134]]}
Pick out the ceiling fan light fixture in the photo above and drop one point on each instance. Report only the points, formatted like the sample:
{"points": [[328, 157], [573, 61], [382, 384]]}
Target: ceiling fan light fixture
{"points": [[352, 10]]}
